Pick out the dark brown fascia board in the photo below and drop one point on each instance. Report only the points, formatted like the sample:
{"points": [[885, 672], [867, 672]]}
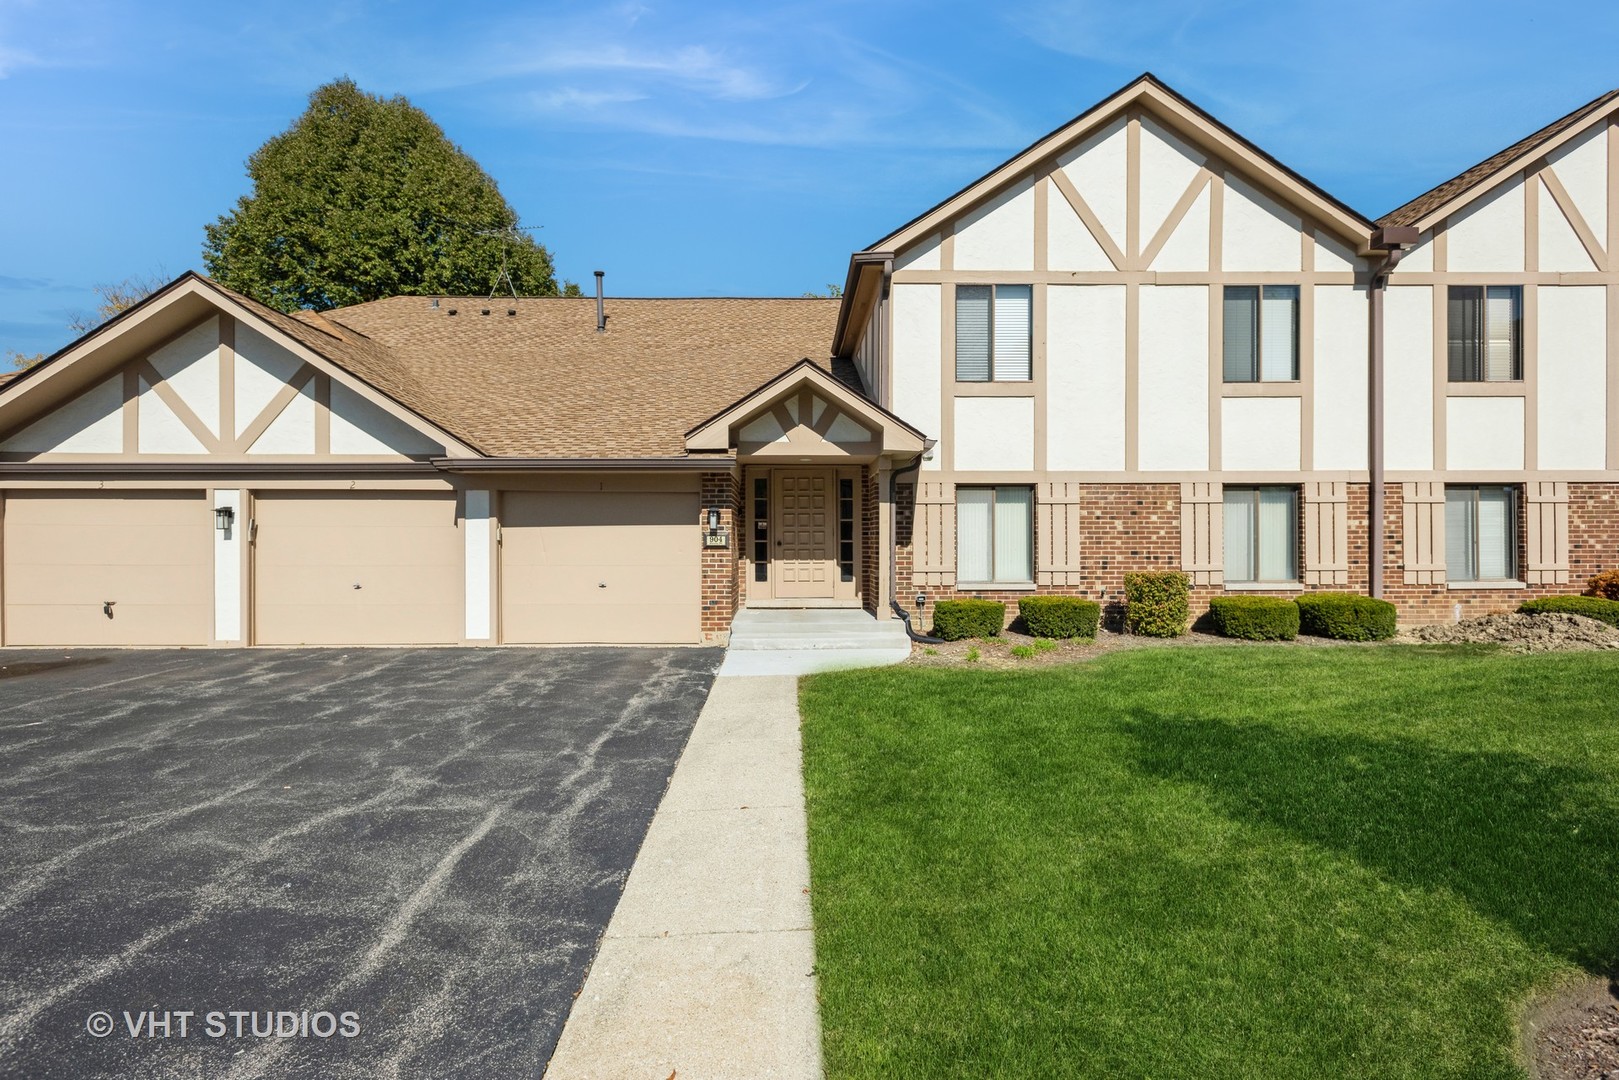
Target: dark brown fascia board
{"points": [[533, 464], [859, 263], [17, 469]]}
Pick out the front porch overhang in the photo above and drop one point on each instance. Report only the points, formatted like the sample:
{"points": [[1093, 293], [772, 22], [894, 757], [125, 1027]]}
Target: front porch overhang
{"points": [[806, 415]]}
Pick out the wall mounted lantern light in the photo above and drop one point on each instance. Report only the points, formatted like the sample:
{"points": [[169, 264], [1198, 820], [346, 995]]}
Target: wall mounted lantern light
{"points": [[223, 516], [713, 519]]}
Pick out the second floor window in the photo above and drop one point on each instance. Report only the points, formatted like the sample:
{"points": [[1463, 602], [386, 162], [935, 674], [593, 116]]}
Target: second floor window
{"points": [[1261, 333], [1486, 333], [994, 333]]}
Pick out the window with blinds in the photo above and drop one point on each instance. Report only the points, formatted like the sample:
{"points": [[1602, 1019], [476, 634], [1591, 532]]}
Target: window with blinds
{"points": [[1261, 534], [1481, 535], [1485, 333], [994, 333], [1261, 333], [994, 535]]}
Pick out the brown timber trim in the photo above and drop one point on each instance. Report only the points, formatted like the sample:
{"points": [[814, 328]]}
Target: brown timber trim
{"points": [[181, 410], [227, 380], [1576, 220]]}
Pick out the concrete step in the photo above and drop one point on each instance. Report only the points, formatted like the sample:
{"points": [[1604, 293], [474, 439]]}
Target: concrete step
{"points": [[816, 630]]}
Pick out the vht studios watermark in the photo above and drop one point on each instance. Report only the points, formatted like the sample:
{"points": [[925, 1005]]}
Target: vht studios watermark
{"points": [[226, 1024]]}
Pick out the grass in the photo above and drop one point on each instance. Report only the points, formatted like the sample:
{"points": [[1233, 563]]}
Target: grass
{"points": [[1233, 862]]}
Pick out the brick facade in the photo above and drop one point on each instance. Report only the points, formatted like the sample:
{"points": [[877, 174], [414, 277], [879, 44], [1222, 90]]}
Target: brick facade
{"points": [[721, 581], [871, 545], [1127, 527]]}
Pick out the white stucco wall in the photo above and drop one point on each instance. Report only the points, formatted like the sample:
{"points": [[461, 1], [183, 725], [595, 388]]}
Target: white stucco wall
{"points": [[922, 255], [1484, 433], [359, 427], [1408, 387], [1341, 377], [1560, 247], [999, 235], [190, 365], [1333, 257], [1098, 169], [1173, 428], [1188, 246], [293, 432], [262, 369], [1069, 244], [1168, 165], [228, 569], [160, 430], [478, 568], [1582, 167], [91, 423], [918, 365], [1573, 377], [994, 433], [1258, 233], [1259, 434], [1488, 235], [1085, 377]]}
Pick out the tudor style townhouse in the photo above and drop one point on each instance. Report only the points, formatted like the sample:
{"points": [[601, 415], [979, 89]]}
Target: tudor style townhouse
{"points": [[1142, 343]]}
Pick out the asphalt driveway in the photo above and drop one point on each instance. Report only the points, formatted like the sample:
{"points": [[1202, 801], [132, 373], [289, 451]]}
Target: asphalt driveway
{"points": [[431, 840]]}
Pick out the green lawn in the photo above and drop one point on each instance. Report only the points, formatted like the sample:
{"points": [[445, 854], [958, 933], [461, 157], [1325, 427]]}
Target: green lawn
{"points": [[1209, 862]]}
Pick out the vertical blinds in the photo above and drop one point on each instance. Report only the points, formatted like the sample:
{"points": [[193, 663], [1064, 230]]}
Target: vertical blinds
{"points": [[1277, 550], [1480, 540], [994, 332], [1261, 534], [1239, 535], [974, 533], [1014, 537]]}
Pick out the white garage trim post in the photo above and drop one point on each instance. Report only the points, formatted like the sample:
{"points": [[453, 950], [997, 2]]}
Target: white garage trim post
{"points": [[479, 565], [228, 566]]}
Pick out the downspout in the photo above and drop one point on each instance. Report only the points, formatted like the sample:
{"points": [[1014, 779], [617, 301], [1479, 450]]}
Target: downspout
{"points": [[893, 554], [1393, 242]]}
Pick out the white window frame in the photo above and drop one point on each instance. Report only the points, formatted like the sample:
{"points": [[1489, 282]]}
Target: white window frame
{"points": [[998, 370], [994, 578], [1265, 299], [1234, 496], [1469, 573]]}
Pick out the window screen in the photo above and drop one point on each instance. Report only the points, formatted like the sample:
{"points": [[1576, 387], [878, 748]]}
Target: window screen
{"points": [[994, 534], [1481, 536], [1260, 336], [1261, 534], [1484, 333], [994, 333]]}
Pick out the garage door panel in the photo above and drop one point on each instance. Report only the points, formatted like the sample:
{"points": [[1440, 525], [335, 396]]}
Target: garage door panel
{"points": [[403, 550], [66, 554], [559, 550]]}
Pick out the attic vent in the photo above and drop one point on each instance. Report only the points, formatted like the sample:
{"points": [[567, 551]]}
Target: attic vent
{"points": [[451, 311], [511, 311], [433, 303], [485, 311], [601, 311]]}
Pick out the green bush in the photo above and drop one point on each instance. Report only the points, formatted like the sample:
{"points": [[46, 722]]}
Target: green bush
{"points": [[1156, 602], [1060, 616], [1592, 607], [954, 620], [1255, 618], [1346, 616]]}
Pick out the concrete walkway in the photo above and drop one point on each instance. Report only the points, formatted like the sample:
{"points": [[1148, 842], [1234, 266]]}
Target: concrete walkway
{"points": [[706, 971]]}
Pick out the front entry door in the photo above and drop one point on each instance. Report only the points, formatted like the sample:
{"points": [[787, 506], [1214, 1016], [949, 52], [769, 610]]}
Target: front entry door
{"points": [[805, 517]]}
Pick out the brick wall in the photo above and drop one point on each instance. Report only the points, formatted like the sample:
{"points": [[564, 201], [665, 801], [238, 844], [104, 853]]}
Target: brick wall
{"points": [[721, 566], [1127, 527], [871, 546]]}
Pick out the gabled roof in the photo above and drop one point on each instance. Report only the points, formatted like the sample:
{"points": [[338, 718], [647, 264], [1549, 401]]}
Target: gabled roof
{"points": [[717, 432], [1431, 205], [1148, 91]]}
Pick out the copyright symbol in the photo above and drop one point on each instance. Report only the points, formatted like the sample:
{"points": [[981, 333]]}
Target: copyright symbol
{"points": [[99, 1024]]}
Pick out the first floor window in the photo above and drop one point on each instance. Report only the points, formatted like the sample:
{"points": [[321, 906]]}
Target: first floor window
{"points": [[1481, 538], [1261, 534], [994, 333], [1485, 333], [1261, 333], [994, 534]]}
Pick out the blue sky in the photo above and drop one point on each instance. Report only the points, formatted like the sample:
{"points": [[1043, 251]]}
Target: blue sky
{"points": [[722, 148]]}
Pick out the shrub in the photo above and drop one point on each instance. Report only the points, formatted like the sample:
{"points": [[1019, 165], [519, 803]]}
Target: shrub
{"points": [[1255, 618], [1346, 616], [1155, 602], [1060, 616], [1606, 585], [1592, 607], [957, 619]]}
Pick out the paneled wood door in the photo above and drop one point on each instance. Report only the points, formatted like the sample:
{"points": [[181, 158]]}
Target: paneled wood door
{"points": [[806, 513]]}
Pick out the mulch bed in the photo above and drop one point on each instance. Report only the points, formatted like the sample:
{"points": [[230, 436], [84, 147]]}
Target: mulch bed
{"points": [[1575, 1035]]}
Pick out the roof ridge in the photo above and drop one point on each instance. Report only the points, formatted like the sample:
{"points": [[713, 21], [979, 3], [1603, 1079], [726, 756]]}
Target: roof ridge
{"points": [[1474, 175]]}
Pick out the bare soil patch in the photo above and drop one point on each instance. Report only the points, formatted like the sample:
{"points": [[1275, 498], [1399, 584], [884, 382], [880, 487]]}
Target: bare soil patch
{"points": [[1521, 633], [1574, 1035]]}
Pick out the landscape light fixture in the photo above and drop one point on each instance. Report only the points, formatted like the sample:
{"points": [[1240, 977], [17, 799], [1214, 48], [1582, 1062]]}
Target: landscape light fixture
{"points": [[921, 601]]}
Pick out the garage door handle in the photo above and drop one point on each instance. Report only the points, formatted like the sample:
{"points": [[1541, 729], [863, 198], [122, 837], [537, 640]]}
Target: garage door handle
{"points": [[106, 607], [601, 584]]}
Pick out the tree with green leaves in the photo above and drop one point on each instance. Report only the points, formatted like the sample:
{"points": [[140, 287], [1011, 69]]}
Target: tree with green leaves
{"points": [[365, 197]]}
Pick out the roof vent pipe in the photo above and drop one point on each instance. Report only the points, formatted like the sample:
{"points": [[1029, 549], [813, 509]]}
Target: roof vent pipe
{"points": [[601, 313]]}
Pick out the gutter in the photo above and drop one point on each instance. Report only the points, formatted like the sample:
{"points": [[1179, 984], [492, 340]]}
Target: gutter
{"points": [[533, 464], [893, 554], [1393, 241]]}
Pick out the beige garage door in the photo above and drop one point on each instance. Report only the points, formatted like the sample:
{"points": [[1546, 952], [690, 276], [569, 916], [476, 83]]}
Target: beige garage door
{"points": [[356, 568], [68, 556], [600, 567]]}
